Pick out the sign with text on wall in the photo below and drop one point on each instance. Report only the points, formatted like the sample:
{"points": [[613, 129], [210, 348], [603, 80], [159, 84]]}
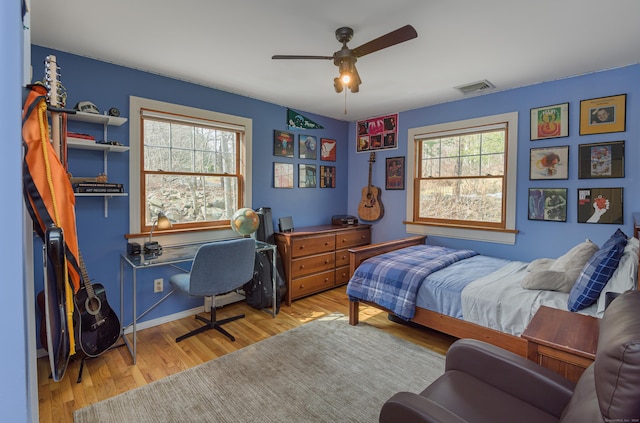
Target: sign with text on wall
{"points": [[379, 133]]}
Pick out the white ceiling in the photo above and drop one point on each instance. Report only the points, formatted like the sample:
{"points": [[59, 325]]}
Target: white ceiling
{"points": [[228, 44]]}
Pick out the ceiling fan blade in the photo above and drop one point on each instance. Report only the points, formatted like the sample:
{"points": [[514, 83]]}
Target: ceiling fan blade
{"points": [[398, 36], [285, 56]]}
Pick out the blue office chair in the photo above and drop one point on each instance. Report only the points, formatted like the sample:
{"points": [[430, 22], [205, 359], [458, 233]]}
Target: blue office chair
{"points": [[218, 267]]}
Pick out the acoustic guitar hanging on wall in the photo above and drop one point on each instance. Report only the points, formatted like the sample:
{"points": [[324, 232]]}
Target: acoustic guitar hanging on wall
{"points": [[370, 207]]}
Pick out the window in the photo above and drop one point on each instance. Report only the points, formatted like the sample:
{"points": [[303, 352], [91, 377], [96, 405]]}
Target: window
{"points": [[464, 178], [190, 164]]}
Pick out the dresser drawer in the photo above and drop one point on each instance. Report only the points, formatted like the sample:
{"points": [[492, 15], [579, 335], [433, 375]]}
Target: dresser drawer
{"points": [[342, 258], [312, 245], [353, 238], [312, 264], [310, 284], [342, 275]]}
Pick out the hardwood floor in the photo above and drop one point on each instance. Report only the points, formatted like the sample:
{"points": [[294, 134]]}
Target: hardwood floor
{"points": [[159, 355]]}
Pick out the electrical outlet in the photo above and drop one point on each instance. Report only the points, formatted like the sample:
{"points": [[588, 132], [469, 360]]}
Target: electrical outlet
{"points": [[158, 285]]}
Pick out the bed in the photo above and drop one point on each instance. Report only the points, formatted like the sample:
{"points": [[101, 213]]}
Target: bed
{"points": [[468, 295]]}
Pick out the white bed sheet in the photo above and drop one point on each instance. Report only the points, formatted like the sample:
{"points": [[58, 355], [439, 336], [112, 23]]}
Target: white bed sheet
{"points": [[497, 301]]}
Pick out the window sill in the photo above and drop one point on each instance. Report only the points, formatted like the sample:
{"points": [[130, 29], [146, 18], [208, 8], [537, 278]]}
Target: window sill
{"points": [[500, 236]]}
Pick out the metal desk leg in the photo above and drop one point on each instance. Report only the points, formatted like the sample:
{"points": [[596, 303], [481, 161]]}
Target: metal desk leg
{"points": [[123, 328], [273, 280], [135, 314]]}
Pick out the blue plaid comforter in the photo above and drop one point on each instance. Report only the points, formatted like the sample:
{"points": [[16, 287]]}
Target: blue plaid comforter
{"points": [[392, 280]]}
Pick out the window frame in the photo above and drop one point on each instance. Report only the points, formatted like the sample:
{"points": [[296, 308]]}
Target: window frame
{"points": [[137, 227], [504, 235]]}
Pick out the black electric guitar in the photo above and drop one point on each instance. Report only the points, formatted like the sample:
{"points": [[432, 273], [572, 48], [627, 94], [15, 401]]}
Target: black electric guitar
{"points": [[97, 326], [370, 207]]}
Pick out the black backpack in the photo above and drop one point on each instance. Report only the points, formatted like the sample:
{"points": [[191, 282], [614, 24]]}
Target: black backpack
{"points": [[259, 290]]}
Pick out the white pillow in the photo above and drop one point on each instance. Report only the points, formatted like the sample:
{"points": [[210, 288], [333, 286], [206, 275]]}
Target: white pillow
{"points": [[625, 276], [559, 274], [575, 257], [549, 280]]}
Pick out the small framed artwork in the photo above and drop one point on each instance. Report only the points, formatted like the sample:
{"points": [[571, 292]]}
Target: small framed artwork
{"points": [[282, 175], [306, 176], [603, 115], [283, 143], [549, 163], [600, 205], [327, 176], [550, 122], [548, 204], [308, 147], [601, 160], [327, 149], [394, 173]]}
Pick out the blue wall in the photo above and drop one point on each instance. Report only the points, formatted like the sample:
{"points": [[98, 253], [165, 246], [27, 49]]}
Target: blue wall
{"points": [[535, 238], [15, 380]]}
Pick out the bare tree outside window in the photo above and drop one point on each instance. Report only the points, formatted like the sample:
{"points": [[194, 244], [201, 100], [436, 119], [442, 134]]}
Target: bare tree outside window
{"points": [[191, 172], [460, 178]]}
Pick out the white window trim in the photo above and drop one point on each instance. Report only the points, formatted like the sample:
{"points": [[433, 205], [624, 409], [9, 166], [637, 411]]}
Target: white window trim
{"points": [[135, 106], [512, 150]]}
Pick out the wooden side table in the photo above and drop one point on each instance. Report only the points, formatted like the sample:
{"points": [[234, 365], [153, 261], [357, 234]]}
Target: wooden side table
{"points": [[562, 341]]}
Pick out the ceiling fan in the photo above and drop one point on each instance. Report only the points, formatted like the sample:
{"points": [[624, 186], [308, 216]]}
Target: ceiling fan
{"points": [[345, 58]]}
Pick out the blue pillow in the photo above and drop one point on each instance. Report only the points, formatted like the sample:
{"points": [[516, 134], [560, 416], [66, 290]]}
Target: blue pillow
{"points": [[616, 237], [596, 273]]}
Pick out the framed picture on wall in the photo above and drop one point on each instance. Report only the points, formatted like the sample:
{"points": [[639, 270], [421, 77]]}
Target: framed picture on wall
{"points": [[328, 149], [308, 147], [549, 163], [282, 175], [601, 160], [394, 173], [550, 122], [603, 115], [548, 204], [306, 176], [327, 176], [283, 143], [600, 205]]}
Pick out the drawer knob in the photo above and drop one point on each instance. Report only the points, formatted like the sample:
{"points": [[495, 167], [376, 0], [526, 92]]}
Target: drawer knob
{"points": [[326, 243], [302, 247], [302, 266], [326, 279], [301, 285], [326, 261]]}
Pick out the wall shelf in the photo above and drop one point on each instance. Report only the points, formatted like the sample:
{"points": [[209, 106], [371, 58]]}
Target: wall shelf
{"points": [[96, 118], [106, 121]]}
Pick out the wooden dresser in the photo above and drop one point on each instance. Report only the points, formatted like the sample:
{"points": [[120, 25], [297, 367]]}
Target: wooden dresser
{"points": [[316, 258]]}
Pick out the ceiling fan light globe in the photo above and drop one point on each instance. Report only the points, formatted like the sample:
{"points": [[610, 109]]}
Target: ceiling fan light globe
{"points": [[345, 78], [337, 84]]}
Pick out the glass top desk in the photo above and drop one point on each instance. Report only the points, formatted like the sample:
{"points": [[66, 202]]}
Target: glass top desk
{"points": [[170, 256]]}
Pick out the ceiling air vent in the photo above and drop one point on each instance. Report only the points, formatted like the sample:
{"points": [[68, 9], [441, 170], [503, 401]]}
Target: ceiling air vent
{"points": [[475, 87]]}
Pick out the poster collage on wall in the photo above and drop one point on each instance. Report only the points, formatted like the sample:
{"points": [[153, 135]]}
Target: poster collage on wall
{"points": [[598, 160], [309, 148]]}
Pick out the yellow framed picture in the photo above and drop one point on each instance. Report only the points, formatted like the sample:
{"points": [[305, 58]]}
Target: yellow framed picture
{"points": [[603, 115]]}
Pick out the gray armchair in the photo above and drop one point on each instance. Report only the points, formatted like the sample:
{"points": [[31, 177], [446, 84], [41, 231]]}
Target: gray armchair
{"points": [[484, 383], [218, 267]]}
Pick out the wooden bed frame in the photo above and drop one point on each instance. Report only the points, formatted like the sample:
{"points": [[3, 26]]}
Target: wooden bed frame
{"points": [[430, 319]]}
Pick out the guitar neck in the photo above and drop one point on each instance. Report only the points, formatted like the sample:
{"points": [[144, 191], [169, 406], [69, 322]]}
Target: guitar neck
{"points": [[85, 277], [55, 100]]}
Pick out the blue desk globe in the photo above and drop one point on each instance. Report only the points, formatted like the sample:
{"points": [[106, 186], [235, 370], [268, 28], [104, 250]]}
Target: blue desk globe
{"points": [[245, 221]]}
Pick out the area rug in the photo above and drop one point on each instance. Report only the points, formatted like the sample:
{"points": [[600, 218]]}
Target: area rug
{"points": [[322, 371]]}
